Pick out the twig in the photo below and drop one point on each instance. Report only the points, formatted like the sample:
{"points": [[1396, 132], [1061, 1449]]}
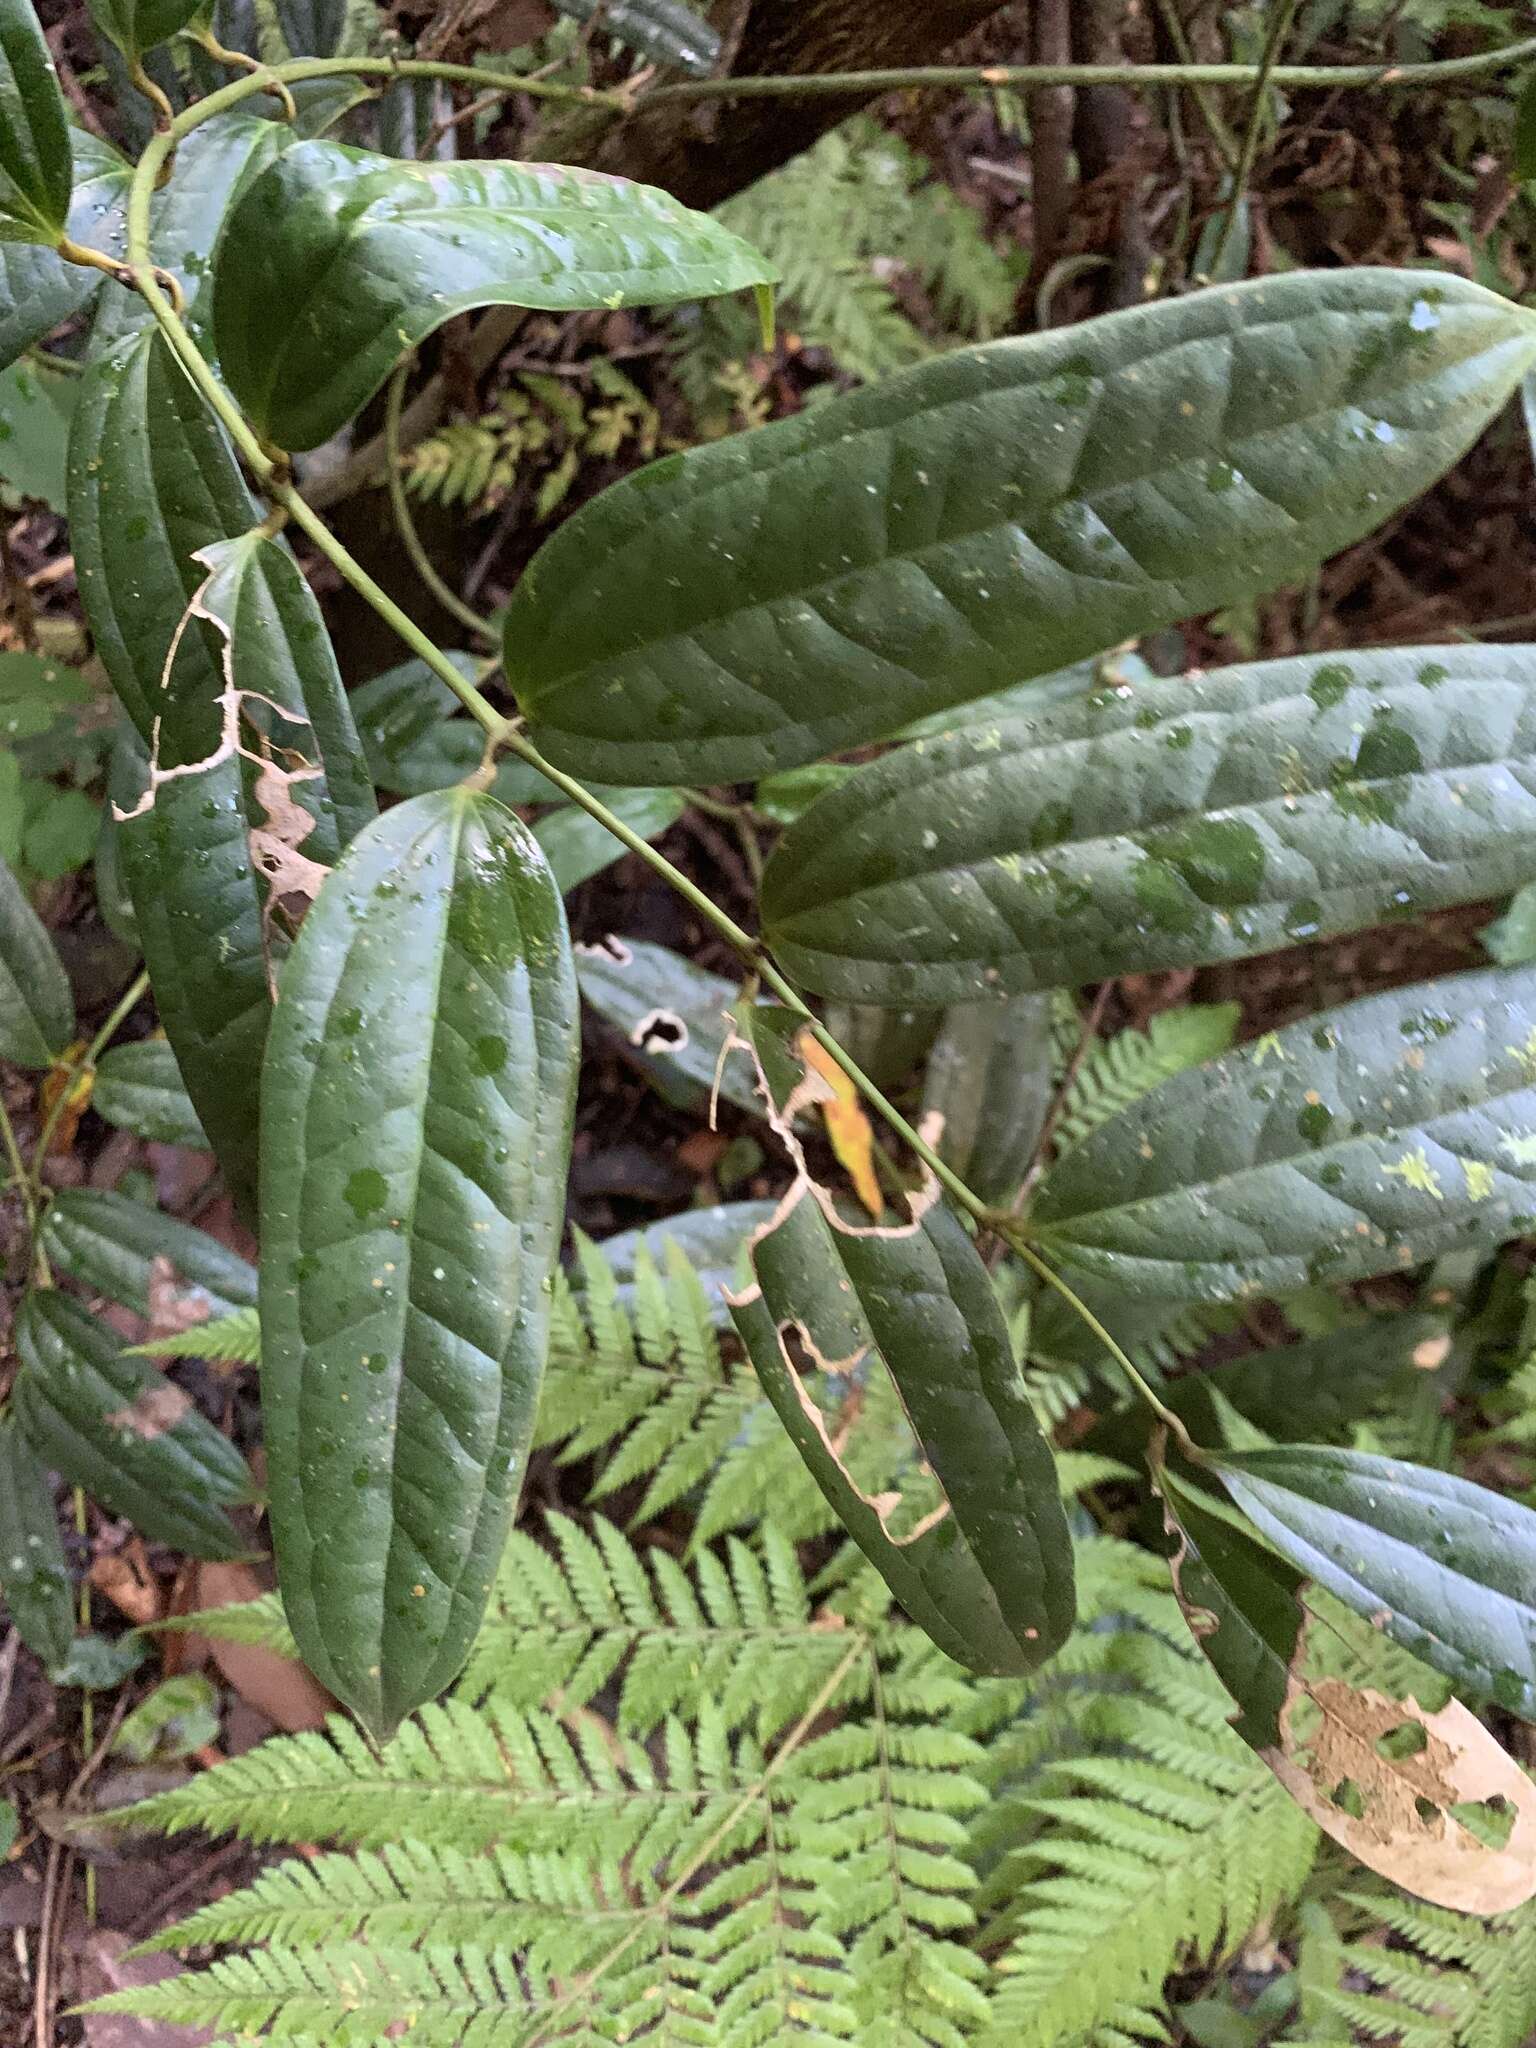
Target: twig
{"points": [[1281, 15], [405, 525], [59, 1859]]}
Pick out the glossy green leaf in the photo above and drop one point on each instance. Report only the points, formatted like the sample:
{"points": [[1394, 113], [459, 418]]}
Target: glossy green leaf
{"points": [[1242, 1603], [188, 216], [34, 1577], [342, 260], [1360, 1140], [1202, 819], [993, 515], [975, 1546], [1445, 1568], [37, 1010], [121, 1429], [37, 694], [139, 1088], [991, 1077], [672, 1017], [139, 25], [664, 31], [160, 519], [417, 1100], [577, 847], [154, 1264], [312, 28], [35, 167]]}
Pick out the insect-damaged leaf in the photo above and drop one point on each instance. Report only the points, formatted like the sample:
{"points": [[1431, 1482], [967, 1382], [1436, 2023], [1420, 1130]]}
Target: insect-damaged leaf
{"points": [[672, 1016], [37, 1010], [417, 1098], [1206, 818], [1360, 1140], [35, 168], [139, 1088], [341, 260], [1445, 1568], [1393, 1783], [149, 1262], [118, 1427], [976, 1547], [34, 1576], [215, 645], [992, 515]]}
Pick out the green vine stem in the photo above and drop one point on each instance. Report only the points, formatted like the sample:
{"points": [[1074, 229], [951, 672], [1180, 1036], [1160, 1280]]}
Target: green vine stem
{"points": [[931, 77], [405, 524], [270, 468], [133, 994], [1282, 14]]}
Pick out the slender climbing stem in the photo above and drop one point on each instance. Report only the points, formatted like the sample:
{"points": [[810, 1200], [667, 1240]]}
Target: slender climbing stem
{"points": [[1047, 1272], [270, 468], [1211, 114], [400, 507], [1282, 14], [931, 77], [131, 995]]}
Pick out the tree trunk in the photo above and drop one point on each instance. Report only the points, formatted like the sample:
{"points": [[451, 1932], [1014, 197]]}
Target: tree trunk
{"points": [[705, 151]]}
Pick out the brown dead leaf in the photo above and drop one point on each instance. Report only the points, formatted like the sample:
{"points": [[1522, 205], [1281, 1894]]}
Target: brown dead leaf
{"points": [[153, 1412], [73, 1083], [848, 1128], [287, 1692], [174, 1304], [125, 1578], [1404, 1826], [104, 1965]]}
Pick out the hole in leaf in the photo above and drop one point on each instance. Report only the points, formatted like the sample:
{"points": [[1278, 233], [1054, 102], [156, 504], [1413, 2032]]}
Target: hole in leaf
{"points": [[1426, 1809], [1409, 1738], [1491, 1821], [660, 1031], [1348, 1798]]}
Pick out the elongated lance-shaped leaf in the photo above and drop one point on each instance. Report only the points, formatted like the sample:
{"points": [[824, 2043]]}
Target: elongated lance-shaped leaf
{"points": [[38, 289], [188, 216], [139, 1088], [1202, 819], [216, 647], [416, 1107], [340, 260], [34, 1576], [37, 1010], [976, 1549], [148, 1262], [35, 168], [1361, 1140], [665, 31], [1445, 1568], [1411, 1798], [139, 25], [992, 515], [118, 1427]]}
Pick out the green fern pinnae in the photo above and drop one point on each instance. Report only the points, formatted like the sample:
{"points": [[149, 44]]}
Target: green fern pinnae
{"points": [[1461, 1982], [260, 1621], [234, 1339], [1119, 1071]]}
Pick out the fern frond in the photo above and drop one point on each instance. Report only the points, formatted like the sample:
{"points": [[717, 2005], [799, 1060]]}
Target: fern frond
{"points": [[1120, 1070], [260, 1621], [234, 1339], [1460, 1983]]}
